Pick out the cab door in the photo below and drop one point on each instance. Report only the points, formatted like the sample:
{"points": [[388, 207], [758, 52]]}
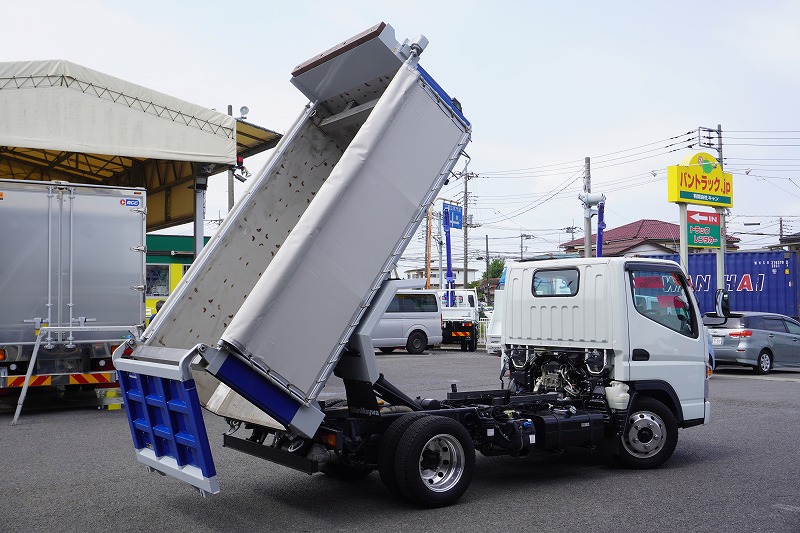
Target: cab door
{"points": [[667, 347]]}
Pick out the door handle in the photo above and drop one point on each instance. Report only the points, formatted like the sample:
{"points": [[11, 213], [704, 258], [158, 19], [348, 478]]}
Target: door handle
{"points": [[640, 355]]}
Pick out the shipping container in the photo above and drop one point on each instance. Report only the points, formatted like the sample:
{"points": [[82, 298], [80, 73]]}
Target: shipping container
{"points": [[756, 281]]}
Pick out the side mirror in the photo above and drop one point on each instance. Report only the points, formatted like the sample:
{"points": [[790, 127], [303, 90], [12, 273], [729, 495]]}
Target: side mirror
{"points": [[722, 303]]}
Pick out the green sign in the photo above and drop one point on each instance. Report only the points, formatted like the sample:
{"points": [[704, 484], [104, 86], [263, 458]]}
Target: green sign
{"points": [[703, 229]]}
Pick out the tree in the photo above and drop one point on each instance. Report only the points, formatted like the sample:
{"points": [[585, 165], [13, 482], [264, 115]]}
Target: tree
{"points": [[495, 268]]}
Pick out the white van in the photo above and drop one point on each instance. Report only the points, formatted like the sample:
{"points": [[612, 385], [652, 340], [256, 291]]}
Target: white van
{"points": [[412, 321]]}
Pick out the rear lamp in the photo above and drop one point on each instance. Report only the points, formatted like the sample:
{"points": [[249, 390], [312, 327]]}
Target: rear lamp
{"points": [[741, 334], [2, 355], [328, 439]]}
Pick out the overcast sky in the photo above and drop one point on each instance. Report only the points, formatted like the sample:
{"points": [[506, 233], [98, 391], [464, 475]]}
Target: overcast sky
{"points": [[545, 84]]}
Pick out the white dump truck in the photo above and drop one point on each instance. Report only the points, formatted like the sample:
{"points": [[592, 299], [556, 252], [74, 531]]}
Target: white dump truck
{"points": [[325, 222], [73, 270]]}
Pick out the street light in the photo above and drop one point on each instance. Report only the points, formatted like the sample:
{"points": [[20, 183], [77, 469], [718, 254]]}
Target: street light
{"points": [[521, 237]]}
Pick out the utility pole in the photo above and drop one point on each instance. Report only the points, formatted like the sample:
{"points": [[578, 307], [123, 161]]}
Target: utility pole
{"points": [[521, 237], [487, 260], [428, 221], [590, 201], [465, 227], [587, 221], [439, 242], [486, 294], [723, 240]]}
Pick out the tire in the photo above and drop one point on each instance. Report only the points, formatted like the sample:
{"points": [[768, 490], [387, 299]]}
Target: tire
{"points": [[650, 436], [386, 350], [388, 449], [346, 472], [435, 461], [763, 363], [417, 342], [472, 344]]}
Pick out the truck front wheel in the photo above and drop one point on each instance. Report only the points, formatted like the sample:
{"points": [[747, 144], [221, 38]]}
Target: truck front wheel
{"points": [[434, 461], [650, 436]]}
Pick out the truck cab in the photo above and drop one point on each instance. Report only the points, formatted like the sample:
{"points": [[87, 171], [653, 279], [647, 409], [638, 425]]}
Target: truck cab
{"points": [[636, 320]]}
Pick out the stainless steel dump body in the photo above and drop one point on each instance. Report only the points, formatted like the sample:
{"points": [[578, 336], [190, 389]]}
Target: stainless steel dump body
{"points": [[275, 296]]}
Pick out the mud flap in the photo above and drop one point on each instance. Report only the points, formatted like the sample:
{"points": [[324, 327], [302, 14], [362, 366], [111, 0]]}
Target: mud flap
{"points": [[166, 419]]}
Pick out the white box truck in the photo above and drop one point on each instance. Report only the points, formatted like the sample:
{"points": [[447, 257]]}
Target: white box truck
{"points": [[460, 318], [325, 222], [73, 260]]}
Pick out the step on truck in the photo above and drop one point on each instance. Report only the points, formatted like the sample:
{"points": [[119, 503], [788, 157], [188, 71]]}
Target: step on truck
{"points": [[73, 281], [325, 222]]}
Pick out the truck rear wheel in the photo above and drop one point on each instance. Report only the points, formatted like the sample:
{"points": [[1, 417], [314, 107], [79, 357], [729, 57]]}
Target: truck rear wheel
{"points": [[650, 436], [388, 449], [434, 461]]}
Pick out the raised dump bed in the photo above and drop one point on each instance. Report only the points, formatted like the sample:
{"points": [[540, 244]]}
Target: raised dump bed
{"points": [[271, 303]]}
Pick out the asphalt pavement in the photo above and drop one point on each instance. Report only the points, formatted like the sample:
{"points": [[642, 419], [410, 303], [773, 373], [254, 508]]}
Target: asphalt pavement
{"points": [[73, 469]]}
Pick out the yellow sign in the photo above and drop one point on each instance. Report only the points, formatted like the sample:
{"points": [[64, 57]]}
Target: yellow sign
{"points": [[699, 180]]}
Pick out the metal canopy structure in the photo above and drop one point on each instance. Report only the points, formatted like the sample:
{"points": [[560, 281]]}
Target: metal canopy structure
{"points": [[62, 121]]}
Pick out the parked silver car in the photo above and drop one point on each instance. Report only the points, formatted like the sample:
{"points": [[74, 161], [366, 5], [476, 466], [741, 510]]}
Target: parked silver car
{"points": [[761, 340]]}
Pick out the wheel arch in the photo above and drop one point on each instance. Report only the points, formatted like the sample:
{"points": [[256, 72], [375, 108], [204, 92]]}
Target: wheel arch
{"points": [[661, 391]]}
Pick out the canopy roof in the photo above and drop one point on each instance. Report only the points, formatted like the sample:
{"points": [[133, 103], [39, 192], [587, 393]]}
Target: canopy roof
{"points": [[63, 121]]}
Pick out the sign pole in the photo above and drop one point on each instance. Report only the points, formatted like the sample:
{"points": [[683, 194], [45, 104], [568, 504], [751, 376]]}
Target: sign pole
{"points": [[684, 241]]}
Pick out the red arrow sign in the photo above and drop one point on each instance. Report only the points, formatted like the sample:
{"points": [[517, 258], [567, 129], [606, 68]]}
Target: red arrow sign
{"points": [[700, 217]]}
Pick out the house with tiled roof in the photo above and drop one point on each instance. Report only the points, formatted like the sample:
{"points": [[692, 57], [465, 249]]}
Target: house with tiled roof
{"points": [[791, 242], [643, 237]]}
